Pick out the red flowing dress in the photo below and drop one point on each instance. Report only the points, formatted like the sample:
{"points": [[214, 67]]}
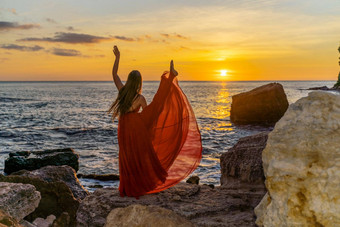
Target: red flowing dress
{"points": [[159, 146]]}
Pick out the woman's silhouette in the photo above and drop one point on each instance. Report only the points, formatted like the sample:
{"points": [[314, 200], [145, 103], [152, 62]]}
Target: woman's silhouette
{"points": [[160, 145]]}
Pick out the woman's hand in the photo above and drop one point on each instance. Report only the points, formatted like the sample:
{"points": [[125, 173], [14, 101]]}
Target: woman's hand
{"points": [[116, 51], [173, 72]]}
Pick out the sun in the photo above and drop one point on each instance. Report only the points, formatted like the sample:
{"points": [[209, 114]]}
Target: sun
{"points": [[224, 72]]}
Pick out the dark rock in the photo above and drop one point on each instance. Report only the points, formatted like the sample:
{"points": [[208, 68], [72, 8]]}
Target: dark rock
{"points": [[210, 185], [59, 188], [103, 177], [37, 159], [241, 166], [264, 105], [193, 180], [324, 88], [198, 203], [95, 186], [20, 153]]}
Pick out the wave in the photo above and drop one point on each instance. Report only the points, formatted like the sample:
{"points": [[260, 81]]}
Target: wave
{"points": [[9, 99], [77, 130]]}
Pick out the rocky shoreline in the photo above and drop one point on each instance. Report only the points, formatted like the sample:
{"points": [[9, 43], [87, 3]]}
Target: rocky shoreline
{"points": [[269, 171], [62, 199]]}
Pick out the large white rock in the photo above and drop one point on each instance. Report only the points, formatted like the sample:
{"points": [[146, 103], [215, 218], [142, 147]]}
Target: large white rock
{"points": [[18, 200], [302, 165]]}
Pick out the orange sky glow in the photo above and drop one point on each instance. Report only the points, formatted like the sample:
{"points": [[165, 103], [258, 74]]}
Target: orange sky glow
{"points": [[248, 40]]}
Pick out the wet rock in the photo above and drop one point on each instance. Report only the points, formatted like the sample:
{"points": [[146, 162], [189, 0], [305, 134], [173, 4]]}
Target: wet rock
{"points": [[7, 220], [102, 177], [200, 204], [37, 159], [151, 216], [95, 186], [325, 88], [18, 200], [59, 187], [241, 166], [193, 180], [264, 105], [301, 165]]}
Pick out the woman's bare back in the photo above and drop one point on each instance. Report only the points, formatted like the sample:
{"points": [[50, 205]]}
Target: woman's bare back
{"points": [[140, 101]]}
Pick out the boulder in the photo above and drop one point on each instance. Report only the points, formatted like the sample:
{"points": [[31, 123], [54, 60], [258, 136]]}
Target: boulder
{"points": [[241, 166], [200, 204], [59, 187], [7, 220], [301, 165], [18, 200], [145, 216], [64, 173], [264, 105], [37, 159], [193, 180]]}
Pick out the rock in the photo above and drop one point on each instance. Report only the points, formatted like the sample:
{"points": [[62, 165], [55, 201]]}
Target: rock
{"points": [[200, 204], [59, 187], [40, 222], [18, 200], [301, 165], [7, 220], [264, 105], [193, 180], [145, 216], [64, 173], [25, 223], [37, 159], [241, 166], [325, 88], [62, 221], [210, 185], [103, 177]]}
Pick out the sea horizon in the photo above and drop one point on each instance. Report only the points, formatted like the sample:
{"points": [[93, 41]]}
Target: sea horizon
{"points": [[111, 81]]}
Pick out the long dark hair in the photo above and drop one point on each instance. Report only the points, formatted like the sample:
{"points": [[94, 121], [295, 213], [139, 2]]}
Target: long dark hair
{"points": [[127, 94]]}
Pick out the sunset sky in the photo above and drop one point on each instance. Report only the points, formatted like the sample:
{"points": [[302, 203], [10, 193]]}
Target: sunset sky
{"points": [[55, 40]]}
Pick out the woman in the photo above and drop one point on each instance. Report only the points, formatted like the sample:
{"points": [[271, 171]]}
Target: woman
{"points": [[160, 145]]}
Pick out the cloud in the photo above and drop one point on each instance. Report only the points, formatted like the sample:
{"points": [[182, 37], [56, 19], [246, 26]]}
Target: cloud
{"points": [[70, 28], [175, 35], [21, 48], [67, 37], [5, 25], [66, 52], [124, 38], [51, 20]]}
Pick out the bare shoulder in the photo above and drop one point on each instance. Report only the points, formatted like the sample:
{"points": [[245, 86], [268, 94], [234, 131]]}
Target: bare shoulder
{"points": [[142, 100]]}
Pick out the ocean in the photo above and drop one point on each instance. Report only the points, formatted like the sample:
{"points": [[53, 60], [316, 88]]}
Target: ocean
{"points": [[49, 115]]}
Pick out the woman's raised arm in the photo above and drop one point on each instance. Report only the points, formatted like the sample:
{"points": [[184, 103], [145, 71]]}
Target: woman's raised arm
{"points": [[115, 76], [173, 72]]}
